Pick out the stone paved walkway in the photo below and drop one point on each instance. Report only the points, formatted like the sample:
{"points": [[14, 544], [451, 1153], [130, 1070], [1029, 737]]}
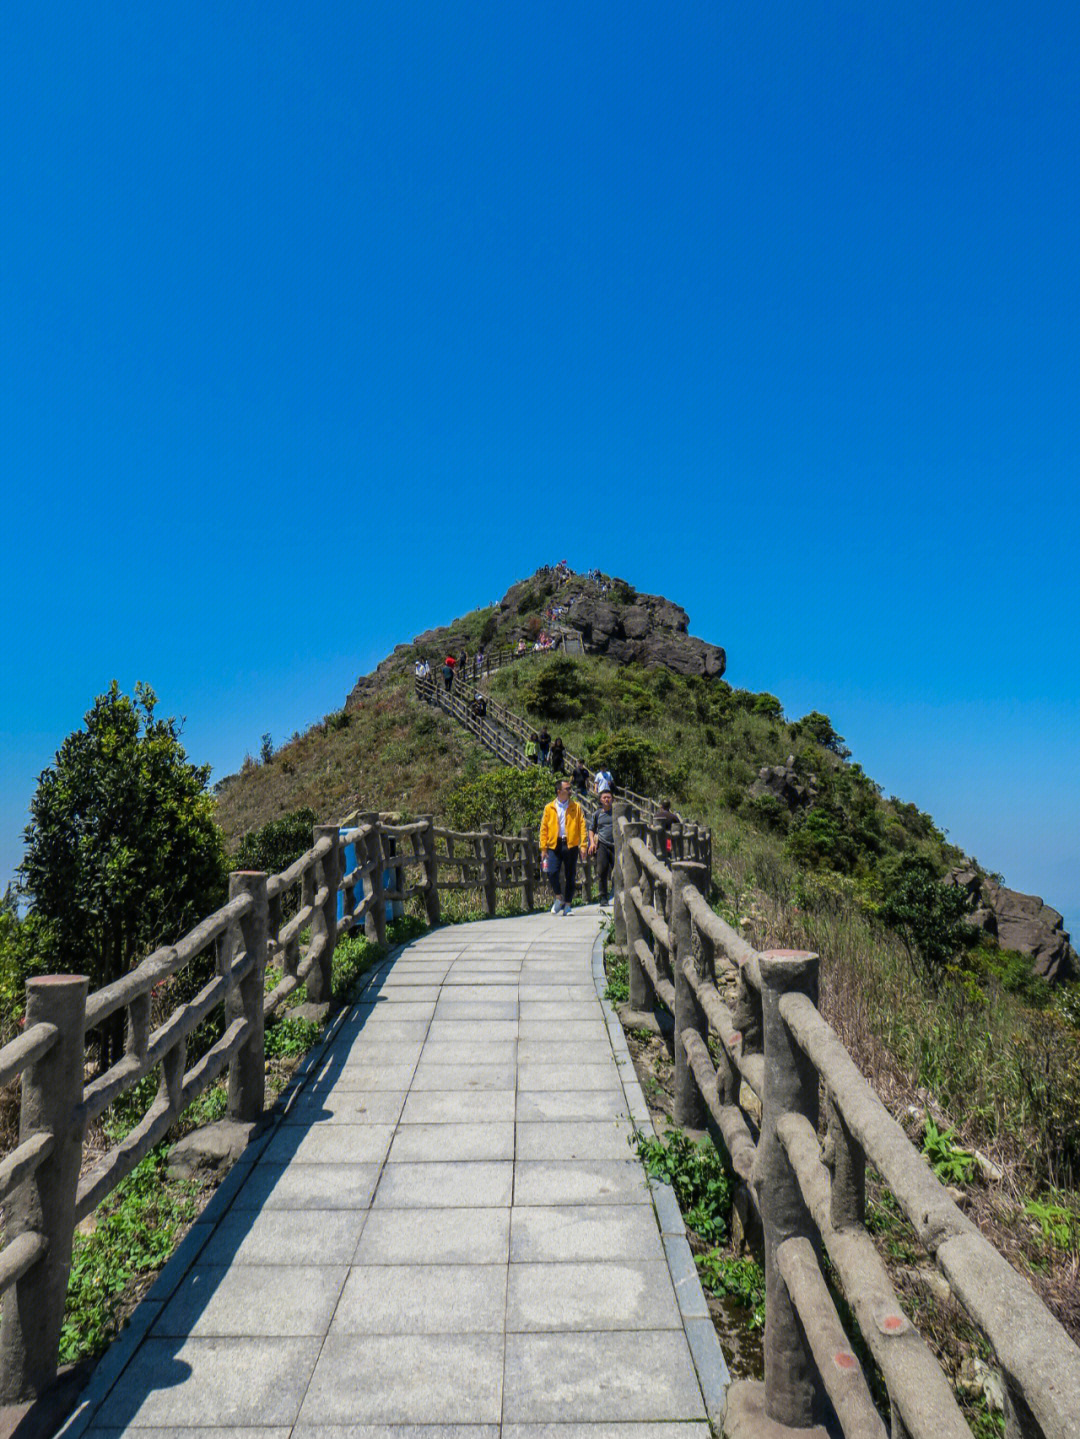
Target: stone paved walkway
{"points": [[447, 1229]]}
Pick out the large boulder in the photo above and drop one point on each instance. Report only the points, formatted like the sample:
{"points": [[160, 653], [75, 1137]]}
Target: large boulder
{"points": [[1025, 923], [782, 782], [1019, 921]]}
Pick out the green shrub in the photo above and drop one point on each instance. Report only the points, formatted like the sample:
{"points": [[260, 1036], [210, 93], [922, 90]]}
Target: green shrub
{"points": [[290, 1037], [635, 762], [697, 1176], [274, 846], [561, 689], [510, 799]]}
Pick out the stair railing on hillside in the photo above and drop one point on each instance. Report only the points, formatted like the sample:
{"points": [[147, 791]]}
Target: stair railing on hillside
{"points": [[808, 1193], [498, 716], [256, 937]]}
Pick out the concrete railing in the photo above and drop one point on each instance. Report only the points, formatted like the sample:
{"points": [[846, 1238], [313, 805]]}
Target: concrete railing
{"points": [[779, 1069], [262, 928]]}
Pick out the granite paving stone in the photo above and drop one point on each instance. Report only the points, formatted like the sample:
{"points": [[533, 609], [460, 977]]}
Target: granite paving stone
{"points": [[230, 1382], [459, 1106], [423, 1299], [573, 1139], [417, 1143], [448, 1236], [452, 1185], [346, 1106], [329, 1143], [563, 1104], [269, 1237], [562, 1233], [595, 1181], [640, 1375], [422, 1379], [591, 1295], [440, 1076], [281, 1300], [309, 1187], [534, 1075]]}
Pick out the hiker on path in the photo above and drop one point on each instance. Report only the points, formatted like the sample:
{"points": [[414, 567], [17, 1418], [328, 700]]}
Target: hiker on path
{"points": [[479, 705], [532, 750], [448, 673], [665, 817], [544, 741], [581, 778], [557, 751], [602, 843], [562, 838], [602, 781]]}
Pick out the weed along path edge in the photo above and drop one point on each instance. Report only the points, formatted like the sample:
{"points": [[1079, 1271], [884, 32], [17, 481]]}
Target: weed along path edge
{"points": [[446, 1225]]}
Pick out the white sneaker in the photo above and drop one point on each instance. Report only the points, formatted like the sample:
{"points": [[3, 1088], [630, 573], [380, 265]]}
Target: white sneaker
{"points": [[566, 908], [556, 908]]}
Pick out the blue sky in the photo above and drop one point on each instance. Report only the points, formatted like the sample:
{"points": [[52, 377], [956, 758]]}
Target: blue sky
{"points": [[320, 325]]}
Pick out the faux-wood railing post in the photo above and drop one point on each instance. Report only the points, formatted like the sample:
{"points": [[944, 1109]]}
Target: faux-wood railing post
{"points": [[792, 1385], [528, 891], [324, 920], [488, 896], [45, 1203], [690, 1108], [620, 811], [375, 916], [641, 995], [247, 1071], [431, 871]]}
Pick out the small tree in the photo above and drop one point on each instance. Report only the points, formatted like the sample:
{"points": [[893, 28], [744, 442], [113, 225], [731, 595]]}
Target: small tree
{"points": [[510, 799], [928, 915], [266, 748], [122, 851], [818, 727]]}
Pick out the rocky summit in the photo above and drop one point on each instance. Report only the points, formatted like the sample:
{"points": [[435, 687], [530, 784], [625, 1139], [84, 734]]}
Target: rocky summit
{"points": [[608, 614], [614, 620]]}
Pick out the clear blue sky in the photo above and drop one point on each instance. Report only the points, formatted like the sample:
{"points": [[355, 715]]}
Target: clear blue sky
{"points": [[320, 325]]}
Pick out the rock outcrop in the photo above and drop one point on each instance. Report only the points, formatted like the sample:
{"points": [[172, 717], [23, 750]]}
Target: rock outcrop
{"points": [[1021, 922], [651, 632], [783, 782]]}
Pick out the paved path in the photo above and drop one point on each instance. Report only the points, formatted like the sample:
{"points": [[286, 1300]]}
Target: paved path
{"points": [[448, 1228]]}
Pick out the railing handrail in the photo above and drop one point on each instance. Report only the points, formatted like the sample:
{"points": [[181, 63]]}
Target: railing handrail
{"points": [[776, 1041]]}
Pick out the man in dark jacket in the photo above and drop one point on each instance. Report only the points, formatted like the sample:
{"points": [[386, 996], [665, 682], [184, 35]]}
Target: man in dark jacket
{"points": [[602, 844]]}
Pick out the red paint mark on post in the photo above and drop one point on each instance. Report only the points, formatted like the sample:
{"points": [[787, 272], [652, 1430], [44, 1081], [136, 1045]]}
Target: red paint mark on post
{"points": [[844, 1360], [892, 1322]]}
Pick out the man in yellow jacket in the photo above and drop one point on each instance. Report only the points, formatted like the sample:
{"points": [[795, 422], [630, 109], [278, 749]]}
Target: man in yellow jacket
{"points": [[562, 835]]}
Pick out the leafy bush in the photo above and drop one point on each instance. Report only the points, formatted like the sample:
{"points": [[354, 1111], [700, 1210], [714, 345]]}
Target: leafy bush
{"points": [[290, 1037], [768, 705], [618, 984], [561, 690], [741, 1279], [949, 1162], [818, 727], [697, 1176], [274, 846], [635, 762], [510, 799], [928, 915]]}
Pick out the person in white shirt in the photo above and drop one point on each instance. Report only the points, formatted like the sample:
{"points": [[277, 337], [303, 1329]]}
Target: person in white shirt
{"points": [[603, 781]]}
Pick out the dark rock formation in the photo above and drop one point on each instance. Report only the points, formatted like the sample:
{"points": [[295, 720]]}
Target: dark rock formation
{"points": [[651, 632], [1021, 922], [783, 783]]}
